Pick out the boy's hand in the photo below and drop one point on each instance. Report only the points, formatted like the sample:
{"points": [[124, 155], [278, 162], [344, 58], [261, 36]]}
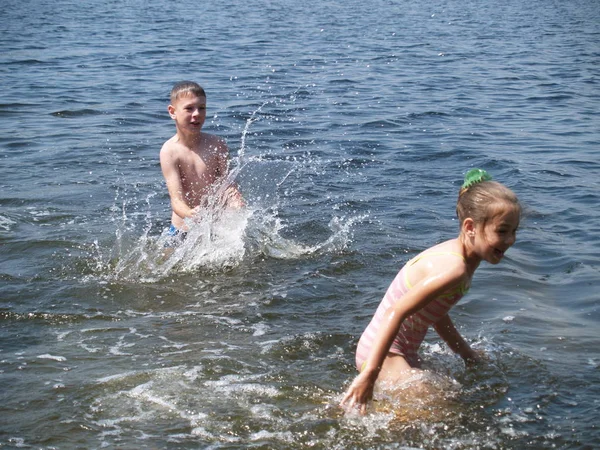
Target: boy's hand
{"points": [[233, 198]]}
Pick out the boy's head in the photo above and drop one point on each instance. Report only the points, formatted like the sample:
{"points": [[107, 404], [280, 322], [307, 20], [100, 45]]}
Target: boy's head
{"points": [[184, 88], [188, 106]]}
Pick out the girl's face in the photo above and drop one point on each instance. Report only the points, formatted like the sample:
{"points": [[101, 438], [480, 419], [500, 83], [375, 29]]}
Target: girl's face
{"points": [[493, 239]]}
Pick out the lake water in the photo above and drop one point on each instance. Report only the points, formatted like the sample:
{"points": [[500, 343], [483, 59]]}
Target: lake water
{"points": [[350, 126]]}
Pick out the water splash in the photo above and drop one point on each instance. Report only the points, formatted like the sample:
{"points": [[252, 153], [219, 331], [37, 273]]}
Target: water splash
{"points": [[218, 238]]}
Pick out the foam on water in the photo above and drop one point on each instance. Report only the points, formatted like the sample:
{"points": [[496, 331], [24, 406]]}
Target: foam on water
{"points": [[220, 394], [5, 223]]}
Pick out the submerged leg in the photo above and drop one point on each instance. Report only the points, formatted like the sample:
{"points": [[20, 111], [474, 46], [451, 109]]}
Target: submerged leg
{"points": [[410, 392], [396, 369]]}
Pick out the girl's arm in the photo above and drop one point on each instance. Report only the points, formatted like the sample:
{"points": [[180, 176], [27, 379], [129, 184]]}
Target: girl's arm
{"points": [[448, 332], [426, 290]]}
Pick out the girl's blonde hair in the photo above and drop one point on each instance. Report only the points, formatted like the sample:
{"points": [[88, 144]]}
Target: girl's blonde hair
{"points": [[483, 200]]}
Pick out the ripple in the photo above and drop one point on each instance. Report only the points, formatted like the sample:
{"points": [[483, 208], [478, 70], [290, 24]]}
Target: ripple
{"points": [[76, 113], [352, 128], [52, 318]]}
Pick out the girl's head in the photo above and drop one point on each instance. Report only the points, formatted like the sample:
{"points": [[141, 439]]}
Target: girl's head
{"points": [[482, 199], [489, 215]]}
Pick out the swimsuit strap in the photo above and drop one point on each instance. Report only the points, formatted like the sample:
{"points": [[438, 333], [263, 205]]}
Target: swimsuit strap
{"points": [[425, 255]]}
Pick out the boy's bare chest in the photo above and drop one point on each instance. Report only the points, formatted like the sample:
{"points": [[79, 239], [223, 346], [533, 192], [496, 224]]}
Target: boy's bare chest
{"points": [[197, 168]]}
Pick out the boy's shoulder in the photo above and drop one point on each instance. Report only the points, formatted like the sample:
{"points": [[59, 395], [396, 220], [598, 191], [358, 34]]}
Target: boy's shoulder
{"points": [[174, 149], [173, 141], [206, 140], [213, 140], [214, 145], [171, 147]]}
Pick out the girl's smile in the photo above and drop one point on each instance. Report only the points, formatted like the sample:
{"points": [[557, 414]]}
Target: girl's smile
{"points": [[499, 234]]}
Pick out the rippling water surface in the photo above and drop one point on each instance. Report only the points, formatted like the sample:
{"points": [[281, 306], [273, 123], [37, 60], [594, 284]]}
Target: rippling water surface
{"points": [[350, 125]]}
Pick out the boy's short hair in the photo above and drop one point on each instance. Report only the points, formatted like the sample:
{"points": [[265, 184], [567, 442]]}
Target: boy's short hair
{"points": [[186, 87]]}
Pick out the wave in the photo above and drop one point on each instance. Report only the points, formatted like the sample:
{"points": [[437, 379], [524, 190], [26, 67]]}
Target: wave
{"points": [[68, 113]]}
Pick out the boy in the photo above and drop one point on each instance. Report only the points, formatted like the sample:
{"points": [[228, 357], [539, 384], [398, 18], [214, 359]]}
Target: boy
{"points": [[193, 163]]}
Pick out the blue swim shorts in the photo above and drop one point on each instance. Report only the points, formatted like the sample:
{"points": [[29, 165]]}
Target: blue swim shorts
{"points": [[176, 236]]}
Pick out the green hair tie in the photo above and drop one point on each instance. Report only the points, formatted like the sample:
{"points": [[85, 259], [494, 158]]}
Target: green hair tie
{"points": [[475, 176]]}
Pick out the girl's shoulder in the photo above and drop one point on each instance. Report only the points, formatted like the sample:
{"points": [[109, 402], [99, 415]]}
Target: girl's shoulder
{"points": [[447, 250], [445, 258]]}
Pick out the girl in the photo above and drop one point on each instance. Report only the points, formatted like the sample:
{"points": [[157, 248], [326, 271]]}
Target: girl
{"points": [[430, 284]]}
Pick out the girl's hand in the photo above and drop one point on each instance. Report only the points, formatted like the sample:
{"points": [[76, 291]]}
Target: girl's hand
{"points": [[474, 358], [359, 392]]}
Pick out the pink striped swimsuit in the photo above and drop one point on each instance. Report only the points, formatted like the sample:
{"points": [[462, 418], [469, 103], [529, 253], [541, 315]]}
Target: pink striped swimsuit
{"points": [[413, 328]]}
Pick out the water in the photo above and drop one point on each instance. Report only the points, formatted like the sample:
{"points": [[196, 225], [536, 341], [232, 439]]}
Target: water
{"points": [[350, 126]]}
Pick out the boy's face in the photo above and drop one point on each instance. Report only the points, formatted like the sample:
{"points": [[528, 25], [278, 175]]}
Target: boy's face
{"points": [[189, 112]]}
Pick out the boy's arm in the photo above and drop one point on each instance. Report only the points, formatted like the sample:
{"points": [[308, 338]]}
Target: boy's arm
{"points": [[448, 332], [233, 197], [170, 170]]}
